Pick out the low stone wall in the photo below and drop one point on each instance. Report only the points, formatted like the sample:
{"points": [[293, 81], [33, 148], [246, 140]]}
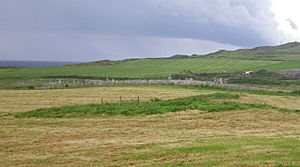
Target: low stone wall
{"points": [[75, 83], [89, 82]]}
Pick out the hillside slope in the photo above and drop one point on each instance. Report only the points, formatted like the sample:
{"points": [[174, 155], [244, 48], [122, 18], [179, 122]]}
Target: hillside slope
{"points": [[272, 58], [289, 51], [150, 68]]}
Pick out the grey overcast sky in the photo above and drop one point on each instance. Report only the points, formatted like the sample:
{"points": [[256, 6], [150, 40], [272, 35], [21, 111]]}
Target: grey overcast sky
{"points": [[86, 30]]}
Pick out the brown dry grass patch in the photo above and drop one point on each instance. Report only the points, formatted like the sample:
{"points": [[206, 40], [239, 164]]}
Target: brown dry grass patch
{"points": [[277, 101], [108, 141]]}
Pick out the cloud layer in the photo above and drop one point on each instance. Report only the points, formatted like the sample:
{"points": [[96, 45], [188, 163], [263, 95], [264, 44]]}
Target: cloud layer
{"points": [[90, 30]]}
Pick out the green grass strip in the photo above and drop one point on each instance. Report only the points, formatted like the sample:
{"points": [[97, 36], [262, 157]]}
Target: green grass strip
{"points": [[203, 102]]}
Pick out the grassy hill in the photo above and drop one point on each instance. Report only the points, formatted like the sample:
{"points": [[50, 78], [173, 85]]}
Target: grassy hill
{"points": [[151, 68], [289, 51], [271, 58]]}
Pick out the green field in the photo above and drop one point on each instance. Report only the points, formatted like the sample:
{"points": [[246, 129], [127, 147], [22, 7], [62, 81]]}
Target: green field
{"points": [[151, 68], [190, 127], [272, 58], [289, 51]]}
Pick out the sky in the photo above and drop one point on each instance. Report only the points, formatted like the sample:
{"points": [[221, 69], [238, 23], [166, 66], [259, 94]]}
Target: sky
{"points": [[89, 30]]}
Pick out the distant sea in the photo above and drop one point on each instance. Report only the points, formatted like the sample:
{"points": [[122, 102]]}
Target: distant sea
{"points": [[9, 63]]}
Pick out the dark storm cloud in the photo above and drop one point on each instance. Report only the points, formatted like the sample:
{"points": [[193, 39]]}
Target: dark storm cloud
{"points": [[88, 29]]}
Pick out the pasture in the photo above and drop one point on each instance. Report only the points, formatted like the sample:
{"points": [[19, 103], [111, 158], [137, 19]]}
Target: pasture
{"points": [[245, 137], [286, 52], [148, 68]]}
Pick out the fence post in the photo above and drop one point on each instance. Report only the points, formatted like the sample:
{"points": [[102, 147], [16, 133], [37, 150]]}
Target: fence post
{"points": [[138, 99], [121, 102], [101, 100]]}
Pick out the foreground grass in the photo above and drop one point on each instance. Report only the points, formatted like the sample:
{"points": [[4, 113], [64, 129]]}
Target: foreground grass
{"points": [[254, 137], [156, 106], [219, 152], [248, 135]]}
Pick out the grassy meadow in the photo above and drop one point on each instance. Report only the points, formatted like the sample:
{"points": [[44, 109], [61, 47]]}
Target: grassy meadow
{"points": [[188, 127], [286, 52], [149, 68]]}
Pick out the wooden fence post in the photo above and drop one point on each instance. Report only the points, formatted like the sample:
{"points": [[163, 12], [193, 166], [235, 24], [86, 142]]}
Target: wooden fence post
{"points": [[138, 99], [101, 100], [121, 102]]}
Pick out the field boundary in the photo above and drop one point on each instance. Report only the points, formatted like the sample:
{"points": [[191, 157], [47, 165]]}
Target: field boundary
{"points": [[93, 82]]}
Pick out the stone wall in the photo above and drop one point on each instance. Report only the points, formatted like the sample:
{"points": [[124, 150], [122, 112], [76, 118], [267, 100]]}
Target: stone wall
{"points": [[89, 82]]}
